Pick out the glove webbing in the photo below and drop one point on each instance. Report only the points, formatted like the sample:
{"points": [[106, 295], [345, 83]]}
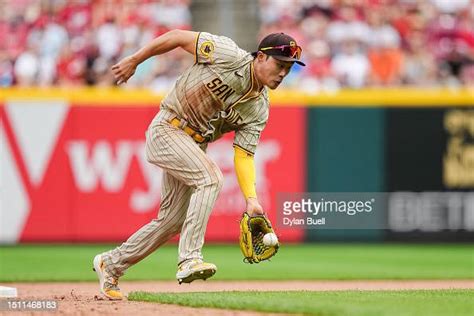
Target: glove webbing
{"points": [[259, 246]]}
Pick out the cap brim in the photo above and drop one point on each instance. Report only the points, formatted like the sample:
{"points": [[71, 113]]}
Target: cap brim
{"points": [[284, 58]]}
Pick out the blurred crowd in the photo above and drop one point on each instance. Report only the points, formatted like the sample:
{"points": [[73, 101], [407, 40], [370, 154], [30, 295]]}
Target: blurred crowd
{"points": [[361, 43], [74, 43], [346, 43]]}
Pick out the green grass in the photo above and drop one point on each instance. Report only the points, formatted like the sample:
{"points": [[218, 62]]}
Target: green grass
{"points": [[354, 303], [302, 262]]}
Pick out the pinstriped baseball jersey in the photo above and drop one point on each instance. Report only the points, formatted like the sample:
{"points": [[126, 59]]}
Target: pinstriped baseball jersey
{"points": [[219, 93]]}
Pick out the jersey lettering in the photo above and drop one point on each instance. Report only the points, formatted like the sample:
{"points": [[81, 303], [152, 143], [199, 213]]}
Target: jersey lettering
{"points": [[214, 83], [222, 91]]}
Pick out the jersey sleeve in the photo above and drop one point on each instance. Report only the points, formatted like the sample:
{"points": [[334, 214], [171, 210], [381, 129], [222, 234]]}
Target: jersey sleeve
{"points": [[213, 49], [247, 138]]}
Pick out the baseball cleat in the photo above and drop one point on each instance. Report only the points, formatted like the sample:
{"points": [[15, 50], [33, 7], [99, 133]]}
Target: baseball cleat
{"points": [[108, 284], [195, 270]]}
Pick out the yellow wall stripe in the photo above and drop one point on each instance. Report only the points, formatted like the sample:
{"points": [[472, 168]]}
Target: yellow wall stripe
{"points": [[405, 97]]}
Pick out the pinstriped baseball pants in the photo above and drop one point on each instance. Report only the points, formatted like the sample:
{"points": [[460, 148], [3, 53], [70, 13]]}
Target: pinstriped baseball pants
{"points": [[191, 184]]}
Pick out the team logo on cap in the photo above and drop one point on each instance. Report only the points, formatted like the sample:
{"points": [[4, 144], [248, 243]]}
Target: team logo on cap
{"points": [[207, 48]]}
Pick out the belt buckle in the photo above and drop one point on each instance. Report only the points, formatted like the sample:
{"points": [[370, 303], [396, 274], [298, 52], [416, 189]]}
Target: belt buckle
{"points": [[183, 125]]}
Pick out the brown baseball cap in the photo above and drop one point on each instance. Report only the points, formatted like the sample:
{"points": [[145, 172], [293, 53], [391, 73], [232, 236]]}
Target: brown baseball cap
{"points": [[280, 46]]}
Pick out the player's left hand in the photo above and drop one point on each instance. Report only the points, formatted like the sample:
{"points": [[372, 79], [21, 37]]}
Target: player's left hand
{"points": [[253, 207], [124, 69]]}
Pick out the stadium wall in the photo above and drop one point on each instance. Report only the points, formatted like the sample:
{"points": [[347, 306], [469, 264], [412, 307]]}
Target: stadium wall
{"points": [[72, 160]]}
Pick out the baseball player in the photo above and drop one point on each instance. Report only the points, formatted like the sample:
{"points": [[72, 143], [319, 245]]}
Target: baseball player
{"points": [[225, 90]]}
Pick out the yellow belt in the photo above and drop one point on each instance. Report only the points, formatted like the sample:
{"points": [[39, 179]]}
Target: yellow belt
{"points": [[176, 122]]}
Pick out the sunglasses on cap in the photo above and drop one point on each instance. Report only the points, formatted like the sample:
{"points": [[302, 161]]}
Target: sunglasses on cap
{"points": [[291, 51]]}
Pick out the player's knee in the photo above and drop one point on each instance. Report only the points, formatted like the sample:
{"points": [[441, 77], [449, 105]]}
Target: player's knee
{"points": [[215, 179]]}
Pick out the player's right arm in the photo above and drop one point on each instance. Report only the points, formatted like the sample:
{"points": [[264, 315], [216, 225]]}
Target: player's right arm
{"points": [[125, 68]]}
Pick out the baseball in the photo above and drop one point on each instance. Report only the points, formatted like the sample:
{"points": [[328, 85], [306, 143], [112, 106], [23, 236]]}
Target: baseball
{"points": [[270, 239]]}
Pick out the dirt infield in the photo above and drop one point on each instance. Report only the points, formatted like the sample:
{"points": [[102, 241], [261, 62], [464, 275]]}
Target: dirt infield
{"points": [[82, 298]]}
